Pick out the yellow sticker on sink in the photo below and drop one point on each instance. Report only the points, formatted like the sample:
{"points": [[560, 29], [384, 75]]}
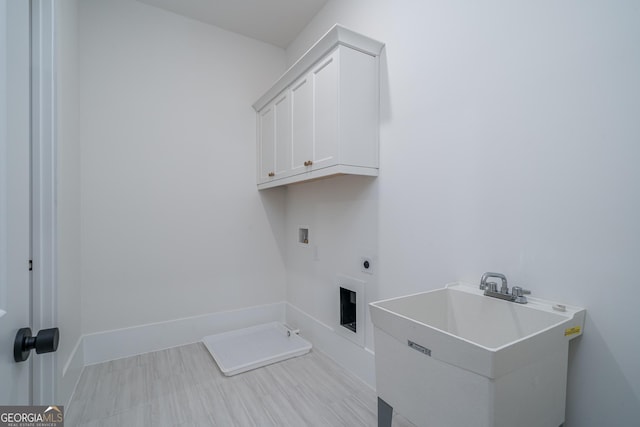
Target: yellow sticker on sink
{"points": [[572, 331]]}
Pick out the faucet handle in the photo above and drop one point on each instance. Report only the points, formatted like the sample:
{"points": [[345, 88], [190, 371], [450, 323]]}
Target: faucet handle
{"points": [[504, 289], [517, 291], [519, 294], [492, 286]]}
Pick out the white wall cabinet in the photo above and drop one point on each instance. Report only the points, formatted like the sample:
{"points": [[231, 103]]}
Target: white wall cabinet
{"points": [[321, 117]]}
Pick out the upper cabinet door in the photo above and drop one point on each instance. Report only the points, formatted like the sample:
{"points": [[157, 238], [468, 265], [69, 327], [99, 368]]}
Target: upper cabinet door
{"points": [[282, 108], [302, 124], [326, 111], [274, 139], [266, 144]]}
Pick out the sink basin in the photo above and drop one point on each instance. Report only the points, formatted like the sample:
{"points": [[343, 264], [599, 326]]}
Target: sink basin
{"points": [[485, 335], [454, 341]]}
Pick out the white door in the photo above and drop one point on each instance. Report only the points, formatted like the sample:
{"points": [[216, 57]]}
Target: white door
{"points": [[15, 378]]}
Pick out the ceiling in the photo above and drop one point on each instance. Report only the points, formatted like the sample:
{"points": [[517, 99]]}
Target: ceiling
{"points": [[273, 21]]}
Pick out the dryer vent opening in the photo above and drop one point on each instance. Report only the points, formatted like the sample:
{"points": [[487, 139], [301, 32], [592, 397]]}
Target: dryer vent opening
{"points": [[348, 309]]}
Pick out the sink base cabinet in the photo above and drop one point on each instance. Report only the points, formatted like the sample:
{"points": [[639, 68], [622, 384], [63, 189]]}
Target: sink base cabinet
{"points": [[432, 393]]}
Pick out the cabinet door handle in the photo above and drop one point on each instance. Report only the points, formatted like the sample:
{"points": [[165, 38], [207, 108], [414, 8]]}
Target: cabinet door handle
{"points": [[308, 163], [272, 174]]}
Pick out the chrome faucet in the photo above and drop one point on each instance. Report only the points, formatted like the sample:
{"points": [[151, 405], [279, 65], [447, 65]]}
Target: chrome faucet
{"points": [[491, 289], [492, 286]]}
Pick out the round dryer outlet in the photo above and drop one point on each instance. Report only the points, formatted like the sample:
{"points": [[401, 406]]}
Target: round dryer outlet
{"points": [[366, 265]]}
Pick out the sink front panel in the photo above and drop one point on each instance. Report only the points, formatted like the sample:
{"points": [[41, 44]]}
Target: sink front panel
{"points": [[432, 393]]}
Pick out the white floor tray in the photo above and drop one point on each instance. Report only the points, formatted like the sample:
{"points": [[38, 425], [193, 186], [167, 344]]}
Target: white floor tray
{"points": [[250, 348]]}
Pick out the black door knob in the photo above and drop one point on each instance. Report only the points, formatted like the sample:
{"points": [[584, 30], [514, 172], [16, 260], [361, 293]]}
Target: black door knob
{"points": [[45, 342]]}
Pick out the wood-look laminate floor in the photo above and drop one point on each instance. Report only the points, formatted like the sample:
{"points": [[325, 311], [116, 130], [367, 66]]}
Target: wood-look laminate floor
{"points": [[183, 386]]}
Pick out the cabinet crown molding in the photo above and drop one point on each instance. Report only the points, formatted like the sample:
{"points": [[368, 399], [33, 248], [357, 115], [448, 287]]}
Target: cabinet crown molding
{"points": [[337, 35]]}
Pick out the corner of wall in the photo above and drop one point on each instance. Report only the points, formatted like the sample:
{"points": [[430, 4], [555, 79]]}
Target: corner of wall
{"points": [[357, 360]]}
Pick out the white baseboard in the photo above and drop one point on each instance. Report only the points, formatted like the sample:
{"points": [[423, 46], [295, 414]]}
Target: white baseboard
{"points": [[116, 344], [110, 345], [355, 359]]}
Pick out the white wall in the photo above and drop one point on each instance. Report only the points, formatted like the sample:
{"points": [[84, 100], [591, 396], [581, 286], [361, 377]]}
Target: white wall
{"points": [[342, 216], [172, 224], [509, 142], [69, 255]]}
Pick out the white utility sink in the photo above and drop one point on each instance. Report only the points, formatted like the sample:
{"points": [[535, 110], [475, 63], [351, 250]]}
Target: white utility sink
{"points": [[454, 357]]}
